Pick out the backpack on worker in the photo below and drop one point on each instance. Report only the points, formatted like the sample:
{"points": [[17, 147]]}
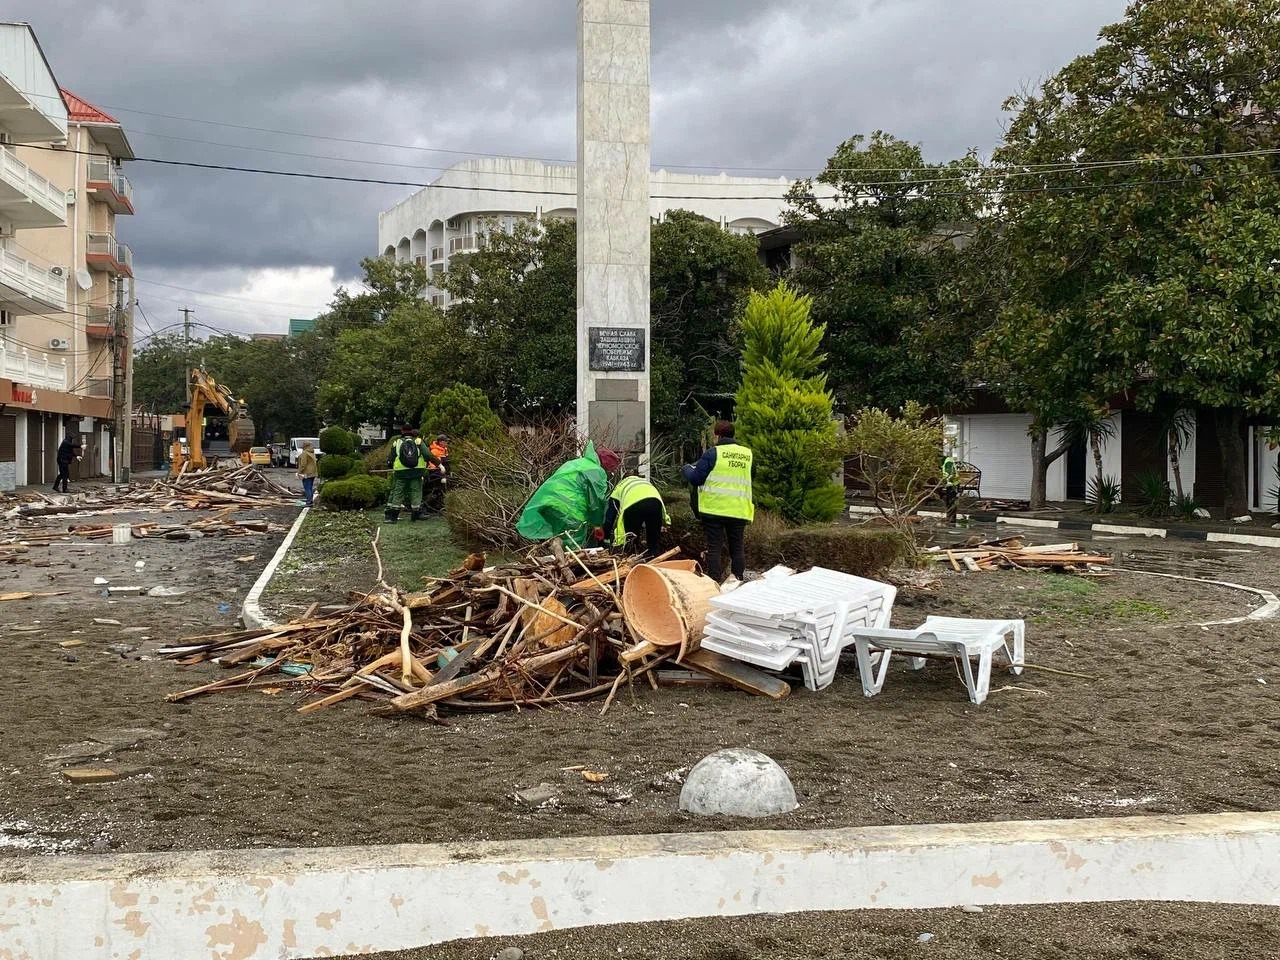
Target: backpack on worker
{"points": [[409, 453]]}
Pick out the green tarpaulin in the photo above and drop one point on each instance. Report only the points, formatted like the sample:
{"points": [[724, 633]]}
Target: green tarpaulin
{"points": [[570, 504]]}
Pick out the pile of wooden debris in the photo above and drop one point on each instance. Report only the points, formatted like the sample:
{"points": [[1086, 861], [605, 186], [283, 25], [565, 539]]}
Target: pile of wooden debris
{"points": [[204, 490], [1010, 553], [526, 634]]}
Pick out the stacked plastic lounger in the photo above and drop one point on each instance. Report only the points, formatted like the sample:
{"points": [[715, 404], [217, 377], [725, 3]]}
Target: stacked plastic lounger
{"points": [[806, 618]]}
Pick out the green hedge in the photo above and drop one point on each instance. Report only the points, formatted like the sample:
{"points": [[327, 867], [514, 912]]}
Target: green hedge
{"points": [[863, 553], [358, 492], [332, 466]]}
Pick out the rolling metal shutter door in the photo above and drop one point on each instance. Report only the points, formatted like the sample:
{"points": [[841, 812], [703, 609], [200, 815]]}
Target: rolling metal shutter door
{"points": [[52, 437], [35, 442], [9, 439], [998, 445]]}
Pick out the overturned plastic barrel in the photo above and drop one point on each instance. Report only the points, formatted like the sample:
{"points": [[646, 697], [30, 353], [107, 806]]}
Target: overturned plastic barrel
{"points": [[667, 604]]}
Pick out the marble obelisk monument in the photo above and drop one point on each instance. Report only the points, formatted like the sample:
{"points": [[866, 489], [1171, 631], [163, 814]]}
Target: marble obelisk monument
{"points": [[613, 226]]}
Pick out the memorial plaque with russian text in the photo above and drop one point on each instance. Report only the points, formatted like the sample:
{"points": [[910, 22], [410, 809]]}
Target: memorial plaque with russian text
{"points": [[616, 349]]}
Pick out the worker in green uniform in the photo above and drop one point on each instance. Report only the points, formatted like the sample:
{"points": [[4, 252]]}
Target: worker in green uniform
{"points": [[408, 462], [725, 504], [950, 486], [636, 506]]}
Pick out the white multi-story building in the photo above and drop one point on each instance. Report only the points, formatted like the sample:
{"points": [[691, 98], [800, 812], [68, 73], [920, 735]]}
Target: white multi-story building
{"points": [[451, 215]]}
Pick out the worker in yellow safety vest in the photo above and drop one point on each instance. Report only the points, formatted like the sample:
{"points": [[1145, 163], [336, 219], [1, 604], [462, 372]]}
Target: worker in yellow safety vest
{"points": [[635, 505], [722, 477]]}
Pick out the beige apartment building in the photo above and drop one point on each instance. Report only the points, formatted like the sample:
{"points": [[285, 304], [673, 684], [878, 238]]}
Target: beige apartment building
{"points": [[67, 285]]}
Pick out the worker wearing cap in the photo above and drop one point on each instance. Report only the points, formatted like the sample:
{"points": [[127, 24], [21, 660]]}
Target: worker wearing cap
{"points": [[636, 506], [722, 480], [408, 461]]}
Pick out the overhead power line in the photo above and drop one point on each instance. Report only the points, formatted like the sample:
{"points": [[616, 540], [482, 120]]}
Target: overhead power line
{"points": [[972, 187]]}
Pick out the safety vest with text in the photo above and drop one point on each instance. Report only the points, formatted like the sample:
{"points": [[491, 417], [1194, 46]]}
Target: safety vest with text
{"points": [[628, 493], [727, 492]]}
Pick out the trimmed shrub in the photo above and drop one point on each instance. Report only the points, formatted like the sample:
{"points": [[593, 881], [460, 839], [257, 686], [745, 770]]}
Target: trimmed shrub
{"points": [[462, 413], [360, 492], [485, 517], [863, 553], [337, 442], [332, 466]]}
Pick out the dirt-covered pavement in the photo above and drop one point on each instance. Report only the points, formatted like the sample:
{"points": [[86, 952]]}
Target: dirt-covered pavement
{"points": [[1178, 718], [1115, 931]]}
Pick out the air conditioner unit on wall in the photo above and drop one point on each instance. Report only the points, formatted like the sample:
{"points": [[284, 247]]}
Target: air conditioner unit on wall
{"points": [[58, 343]]}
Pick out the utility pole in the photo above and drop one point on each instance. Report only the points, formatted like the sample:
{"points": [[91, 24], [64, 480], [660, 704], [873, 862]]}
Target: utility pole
{"points": [[119, 401], [186, 337]]}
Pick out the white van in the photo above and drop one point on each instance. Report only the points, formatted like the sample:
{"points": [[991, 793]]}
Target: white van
{"points": [[295, 448]]}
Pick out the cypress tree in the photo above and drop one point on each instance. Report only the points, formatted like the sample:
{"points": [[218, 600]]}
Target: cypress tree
{"points": [[784, 410]]}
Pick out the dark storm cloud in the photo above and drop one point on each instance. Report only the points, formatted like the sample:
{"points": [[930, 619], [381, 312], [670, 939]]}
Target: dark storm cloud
{"points": [[737, 83]]}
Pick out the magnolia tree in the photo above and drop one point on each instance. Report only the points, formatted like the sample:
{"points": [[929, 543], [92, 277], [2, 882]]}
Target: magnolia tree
{"points": [[900, 460]]}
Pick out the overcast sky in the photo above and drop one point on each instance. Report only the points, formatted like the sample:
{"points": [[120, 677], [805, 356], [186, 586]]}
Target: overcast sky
{"points": [[736, 84]]}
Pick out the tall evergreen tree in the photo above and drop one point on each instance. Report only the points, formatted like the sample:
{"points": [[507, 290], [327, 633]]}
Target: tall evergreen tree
{"points": [[784, 410]]}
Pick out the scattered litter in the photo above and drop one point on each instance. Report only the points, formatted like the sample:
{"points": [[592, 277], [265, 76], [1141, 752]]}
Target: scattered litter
{"points": [[591, 776], [1203, 514], [167, 592], [84, 775], [104, 622], [543, 795], [971, 908], [1262, 681], [925, 938], [100, 581], [124, 591], [71, 643]]}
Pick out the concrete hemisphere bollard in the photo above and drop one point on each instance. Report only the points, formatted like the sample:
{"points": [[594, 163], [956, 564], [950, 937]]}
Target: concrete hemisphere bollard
{"points": [[738, 783]]}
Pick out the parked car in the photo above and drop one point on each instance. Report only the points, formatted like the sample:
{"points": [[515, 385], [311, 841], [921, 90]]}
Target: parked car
{"points": [[260, 456]]}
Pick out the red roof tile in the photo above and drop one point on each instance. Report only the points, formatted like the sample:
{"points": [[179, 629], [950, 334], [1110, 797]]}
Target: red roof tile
{"points": [[82, 111]]}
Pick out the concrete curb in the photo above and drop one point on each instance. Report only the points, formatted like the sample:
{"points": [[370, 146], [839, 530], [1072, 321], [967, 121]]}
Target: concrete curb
{"points": [[251, 612], [273, 904], [1200, 536], [1270, 602]]}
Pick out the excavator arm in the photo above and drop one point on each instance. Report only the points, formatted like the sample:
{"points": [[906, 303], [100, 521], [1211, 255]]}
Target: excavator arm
{"points": [[205, 391]]}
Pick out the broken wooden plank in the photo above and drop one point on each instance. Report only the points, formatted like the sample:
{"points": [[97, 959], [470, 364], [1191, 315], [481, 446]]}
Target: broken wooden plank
{"points": [[736, 674]]}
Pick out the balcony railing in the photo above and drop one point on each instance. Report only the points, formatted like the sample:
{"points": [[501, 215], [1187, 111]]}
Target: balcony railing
{"points": [[106, 252], [105, 178], [464, 244], [437, 254], [438, 300], [34, 282], [31, 369], [33, 186], [420, 260]]}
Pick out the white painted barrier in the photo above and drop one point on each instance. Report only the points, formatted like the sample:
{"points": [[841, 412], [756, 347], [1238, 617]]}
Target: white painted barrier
{"points": [[273, 904]]}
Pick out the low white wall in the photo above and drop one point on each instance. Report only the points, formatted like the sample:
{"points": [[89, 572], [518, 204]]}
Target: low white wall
{"points": [[272, 904]]}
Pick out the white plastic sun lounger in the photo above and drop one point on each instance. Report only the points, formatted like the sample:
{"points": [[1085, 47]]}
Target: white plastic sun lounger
{"points": [[955, 637]]}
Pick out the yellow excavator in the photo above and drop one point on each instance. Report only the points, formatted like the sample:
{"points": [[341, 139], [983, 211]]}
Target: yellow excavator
{"points": [[206, 391]]}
